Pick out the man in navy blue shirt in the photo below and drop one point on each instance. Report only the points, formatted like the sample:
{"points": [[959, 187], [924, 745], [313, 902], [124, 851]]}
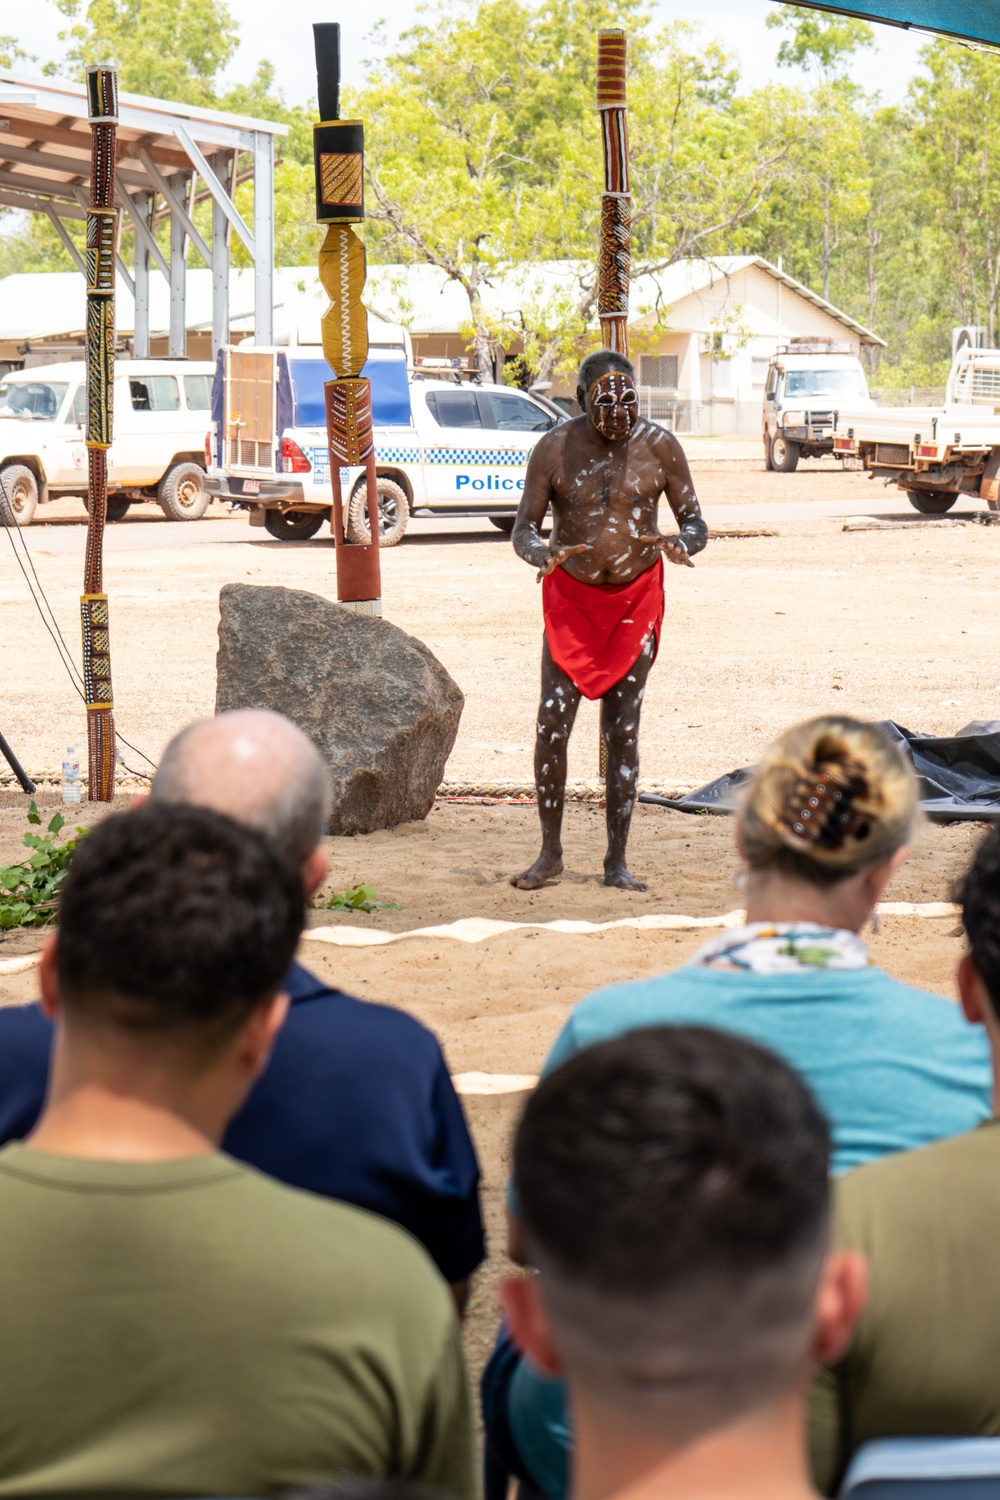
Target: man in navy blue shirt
{"points": [[356, 1102]]}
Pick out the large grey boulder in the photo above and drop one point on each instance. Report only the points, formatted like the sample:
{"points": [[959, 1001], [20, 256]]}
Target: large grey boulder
{"points": [[380, 707]]}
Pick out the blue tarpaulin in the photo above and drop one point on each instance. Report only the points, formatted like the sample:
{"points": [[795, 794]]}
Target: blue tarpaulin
{"points": [[974, 20]]}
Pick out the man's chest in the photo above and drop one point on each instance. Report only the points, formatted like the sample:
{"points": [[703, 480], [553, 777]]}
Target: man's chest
{"points": [[625, 485]]}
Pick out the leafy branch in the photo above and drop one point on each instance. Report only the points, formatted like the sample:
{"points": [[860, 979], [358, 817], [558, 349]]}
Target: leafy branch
{"points": [[355, 898], [29, 892]]}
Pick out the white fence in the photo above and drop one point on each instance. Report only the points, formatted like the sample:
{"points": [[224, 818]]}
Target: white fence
{"points": [[709, 418], [911, 395]]}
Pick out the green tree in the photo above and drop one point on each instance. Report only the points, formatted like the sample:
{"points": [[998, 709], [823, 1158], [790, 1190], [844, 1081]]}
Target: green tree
{"points": [[484, 151], [819, 40], [830, 168], [957, 139], [167, 49]]}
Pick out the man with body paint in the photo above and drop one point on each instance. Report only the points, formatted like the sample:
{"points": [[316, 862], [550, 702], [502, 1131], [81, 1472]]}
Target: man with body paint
{"points": [[602, 580]]}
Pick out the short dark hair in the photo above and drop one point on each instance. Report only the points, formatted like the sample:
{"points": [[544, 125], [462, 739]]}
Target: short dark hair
{"points": [[978, 894], [601, 362], [175, 919], [674, 1189]]}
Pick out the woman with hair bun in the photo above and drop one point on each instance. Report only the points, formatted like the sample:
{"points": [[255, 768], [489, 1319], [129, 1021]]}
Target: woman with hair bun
{"points": [[823, 827]]}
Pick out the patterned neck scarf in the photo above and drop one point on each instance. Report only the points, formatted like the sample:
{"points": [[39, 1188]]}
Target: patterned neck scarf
{"points": [[784, 948]]}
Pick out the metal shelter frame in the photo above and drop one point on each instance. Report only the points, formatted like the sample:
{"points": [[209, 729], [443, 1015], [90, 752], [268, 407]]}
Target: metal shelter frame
{"points": [[165, 151]]}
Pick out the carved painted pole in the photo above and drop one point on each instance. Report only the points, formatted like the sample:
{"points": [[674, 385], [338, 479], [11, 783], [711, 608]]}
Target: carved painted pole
{"points": [[614, 261], [102, 242], [339, 159], [615, 258]]}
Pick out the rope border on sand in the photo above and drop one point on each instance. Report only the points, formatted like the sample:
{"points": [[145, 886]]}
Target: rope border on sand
{"points": [[586, 789]]}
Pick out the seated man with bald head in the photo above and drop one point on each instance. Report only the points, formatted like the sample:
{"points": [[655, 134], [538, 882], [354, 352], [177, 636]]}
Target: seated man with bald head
{"points": [[356, 1102]]}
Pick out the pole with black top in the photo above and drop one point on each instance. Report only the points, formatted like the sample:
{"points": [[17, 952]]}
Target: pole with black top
{"points": [[339, 160]]}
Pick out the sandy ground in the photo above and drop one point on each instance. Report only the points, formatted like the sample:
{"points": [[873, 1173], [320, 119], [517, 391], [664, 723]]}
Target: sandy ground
{"points": [[767, 629]]}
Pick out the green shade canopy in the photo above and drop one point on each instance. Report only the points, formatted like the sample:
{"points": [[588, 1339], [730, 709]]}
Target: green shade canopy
{"points": [[974, 20]]}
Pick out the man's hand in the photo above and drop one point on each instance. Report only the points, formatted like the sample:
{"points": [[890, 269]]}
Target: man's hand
{"points": [[558, 557], [673, 546]]}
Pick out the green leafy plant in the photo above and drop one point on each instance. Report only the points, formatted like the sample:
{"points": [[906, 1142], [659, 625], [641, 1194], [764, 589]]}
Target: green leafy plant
{"points": [[355, 898], [29, 892]]}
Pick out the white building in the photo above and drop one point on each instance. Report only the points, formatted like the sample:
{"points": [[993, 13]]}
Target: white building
{"points": [[701, 335]]}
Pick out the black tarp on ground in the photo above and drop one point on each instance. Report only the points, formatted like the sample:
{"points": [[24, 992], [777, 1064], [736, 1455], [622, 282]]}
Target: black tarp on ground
{"points": [[959, 776]]}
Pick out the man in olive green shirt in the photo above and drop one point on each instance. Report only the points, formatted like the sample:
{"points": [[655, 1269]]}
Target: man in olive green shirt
{"points": [[924, 1361], [172, 1322]]}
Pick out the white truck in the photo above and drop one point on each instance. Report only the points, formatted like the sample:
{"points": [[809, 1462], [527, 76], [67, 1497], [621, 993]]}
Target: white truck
{"points": [[935, 454], [161, 414], [808, 381], [441, 447]]}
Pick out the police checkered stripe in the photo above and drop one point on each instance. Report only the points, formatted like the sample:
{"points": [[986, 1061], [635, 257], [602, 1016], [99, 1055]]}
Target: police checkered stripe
{"points": [[397, 455], [477, 457], [472, 457]]}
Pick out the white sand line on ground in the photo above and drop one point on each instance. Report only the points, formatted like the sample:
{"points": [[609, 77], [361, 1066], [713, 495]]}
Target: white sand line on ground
{"points": [[21, 963], [918, 909], [477, 929], [493, 1083]]}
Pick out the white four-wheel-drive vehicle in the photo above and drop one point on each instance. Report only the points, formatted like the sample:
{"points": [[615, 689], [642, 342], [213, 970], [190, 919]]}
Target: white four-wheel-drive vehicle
{"points": [[441, 447], [161, 415], [808, 382], [935, 453]]}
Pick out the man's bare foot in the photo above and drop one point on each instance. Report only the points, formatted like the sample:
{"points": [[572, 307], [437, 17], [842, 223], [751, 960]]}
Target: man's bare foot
{"points": [[546, 867], [618, 876]]}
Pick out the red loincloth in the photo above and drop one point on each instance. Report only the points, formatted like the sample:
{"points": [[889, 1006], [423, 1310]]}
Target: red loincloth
{"points": [[596, 631]]}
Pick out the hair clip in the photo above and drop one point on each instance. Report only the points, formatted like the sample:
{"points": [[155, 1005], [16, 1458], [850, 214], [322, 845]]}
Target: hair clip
{"points": [[819, 812]]}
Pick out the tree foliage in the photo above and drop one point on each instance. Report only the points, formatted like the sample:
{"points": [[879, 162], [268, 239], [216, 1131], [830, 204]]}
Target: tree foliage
{"points": [[484, 152]]}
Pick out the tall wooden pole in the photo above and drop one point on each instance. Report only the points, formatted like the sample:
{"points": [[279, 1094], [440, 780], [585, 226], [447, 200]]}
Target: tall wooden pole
{"points": [[614, 264], [339, 160], [614, 261], [102, 244]]}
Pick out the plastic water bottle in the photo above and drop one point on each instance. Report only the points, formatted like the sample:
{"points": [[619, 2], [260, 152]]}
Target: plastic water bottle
{"points": [[71, 775]]}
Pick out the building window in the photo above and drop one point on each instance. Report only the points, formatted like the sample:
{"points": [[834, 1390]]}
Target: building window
{"points": [[659, 371], [758, 370], [722, 378]]}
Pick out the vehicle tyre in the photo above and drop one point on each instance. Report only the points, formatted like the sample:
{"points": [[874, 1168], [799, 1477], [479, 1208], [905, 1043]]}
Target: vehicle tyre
{"points": [[294, 525], [767, 452], [182, 494], [19, 496], [929, 504], [117, 508], [784, 454], [393, 513], [504, 523]]}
